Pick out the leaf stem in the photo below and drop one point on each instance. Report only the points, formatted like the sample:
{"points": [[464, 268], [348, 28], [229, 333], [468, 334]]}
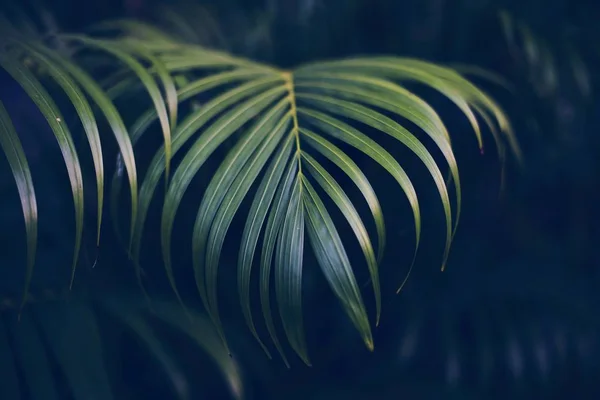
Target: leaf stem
{"points": [[289, 84]]}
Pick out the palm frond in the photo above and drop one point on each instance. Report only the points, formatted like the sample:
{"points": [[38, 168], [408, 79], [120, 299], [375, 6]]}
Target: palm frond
{"points": [[285, 118], [542, 60], [281, 122]]}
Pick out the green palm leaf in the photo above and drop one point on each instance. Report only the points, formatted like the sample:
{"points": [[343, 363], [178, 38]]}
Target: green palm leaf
{"points": [[293, 115], [281, 123]]}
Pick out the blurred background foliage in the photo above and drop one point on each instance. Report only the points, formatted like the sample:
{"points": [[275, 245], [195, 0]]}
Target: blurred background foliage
{"points": [[515, 314]]}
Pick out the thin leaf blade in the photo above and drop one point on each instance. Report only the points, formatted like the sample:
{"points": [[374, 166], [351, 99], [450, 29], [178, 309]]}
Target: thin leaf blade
{"points": [[349, 167], [288, 272], [256, 217], [332, 258], [339, 197], [53, 117], [115, 121], [119, 51], [12, 148], [86, 116]]}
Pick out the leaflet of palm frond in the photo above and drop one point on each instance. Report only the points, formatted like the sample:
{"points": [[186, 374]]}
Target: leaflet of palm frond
{"points": [[126, 53], [208, 142], [459, 90], [54, 118], [272, 229], [391, 97], [11, 146], [84, 111]]}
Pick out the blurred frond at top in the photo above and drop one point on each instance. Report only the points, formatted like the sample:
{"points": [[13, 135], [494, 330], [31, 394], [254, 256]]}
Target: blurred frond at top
{"points": [[547, 65], [241, 30], [192, 22]]}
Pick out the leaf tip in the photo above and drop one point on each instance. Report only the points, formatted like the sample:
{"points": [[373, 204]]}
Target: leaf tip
{"points": [[304, 357], [22, 306], [72, 279], [263, 347], [407, 275], [221, 334]]}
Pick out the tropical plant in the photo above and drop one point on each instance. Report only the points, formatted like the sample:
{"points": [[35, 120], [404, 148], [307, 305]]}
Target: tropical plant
{"points": [[290, 132]]}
